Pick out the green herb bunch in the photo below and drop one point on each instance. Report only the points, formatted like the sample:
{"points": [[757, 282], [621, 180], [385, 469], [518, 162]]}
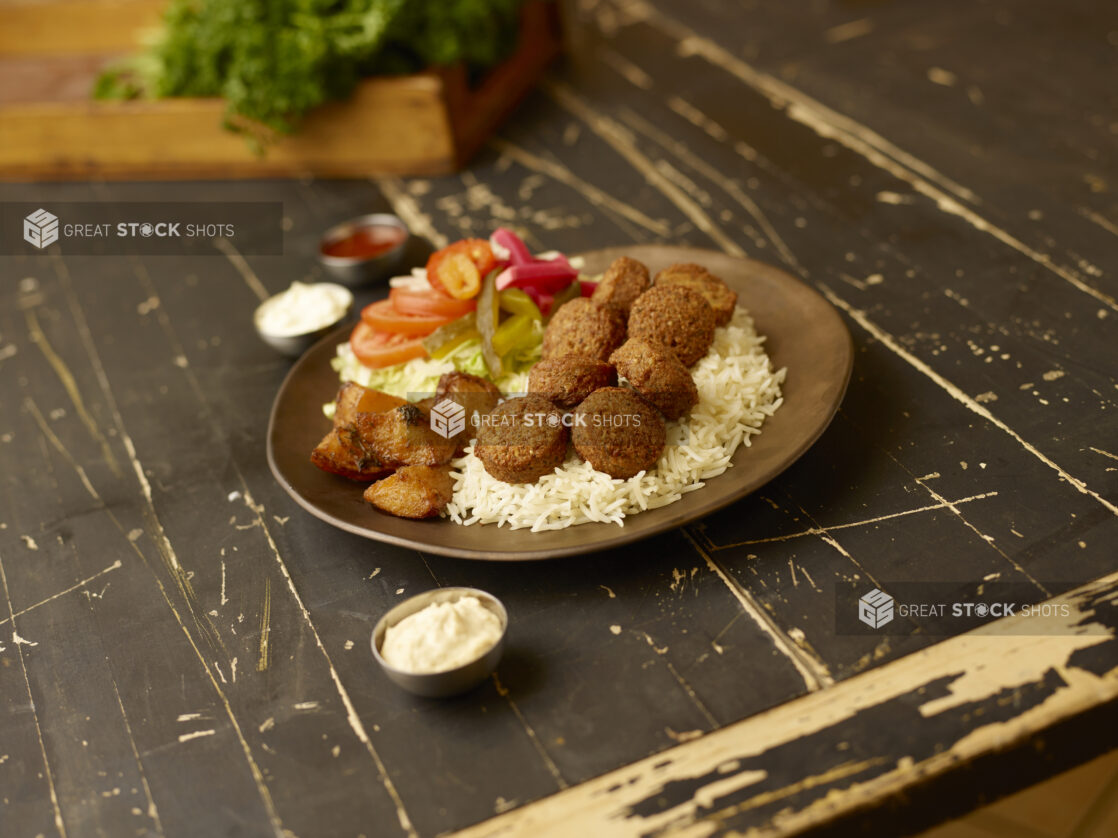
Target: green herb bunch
{"points": [[274, 60]]}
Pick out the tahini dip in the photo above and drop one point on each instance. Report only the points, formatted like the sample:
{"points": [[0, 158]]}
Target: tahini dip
{"points": [[442, 636], [303, 308]]}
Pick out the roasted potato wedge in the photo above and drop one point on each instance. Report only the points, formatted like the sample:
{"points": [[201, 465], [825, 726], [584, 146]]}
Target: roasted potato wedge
{"points": [[337, 455], [402, 437], [413, 492], [341, 451], [353, 399], [425, 404]]}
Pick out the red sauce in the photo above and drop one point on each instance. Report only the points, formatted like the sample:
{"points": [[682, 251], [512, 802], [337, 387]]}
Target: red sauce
{"points": [[365, 242]]}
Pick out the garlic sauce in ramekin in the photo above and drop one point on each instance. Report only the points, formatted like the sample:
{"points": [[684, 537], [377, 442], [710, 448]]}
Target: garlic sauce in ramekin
{"points": [[444, 635]]}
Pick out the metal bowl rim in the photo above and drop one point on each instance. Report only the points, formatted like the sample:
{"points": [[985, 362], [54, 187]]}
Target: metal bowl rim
{"points": [[338, 231], [315, 331], [382, 625]]}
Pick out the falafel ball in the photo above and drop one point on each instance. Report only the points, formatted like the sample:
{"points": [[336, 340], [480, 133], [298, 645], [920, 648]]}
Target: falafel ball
{"points": [[618, 432], [719, 296], [658, 375], [565, 380], [522, 439], [677, 317], [584, 328], [624, 280]]}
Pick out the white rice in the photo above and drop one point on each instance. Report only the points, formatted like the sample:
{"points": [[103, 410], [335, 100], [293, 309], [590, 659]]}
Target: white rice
{"points": [[738, 390]]}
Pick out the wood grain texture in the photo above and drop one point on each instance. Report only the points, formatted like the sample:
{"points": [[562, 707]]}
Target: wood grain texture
{"points": [[794, 767], [216, 637], [387, 126], [427, 123], [66, 27]]}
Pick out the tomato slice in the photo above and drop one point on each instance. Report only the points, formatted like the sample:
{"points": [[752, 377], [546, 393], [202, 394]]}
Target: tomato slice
{"points": [[457, 269], [384, 317], [429, 303], [382, 349]]}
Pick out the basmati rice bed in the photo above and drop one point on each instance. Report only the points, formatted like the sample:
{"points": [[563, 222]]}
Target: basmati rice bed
{"points": [[738, 390]]}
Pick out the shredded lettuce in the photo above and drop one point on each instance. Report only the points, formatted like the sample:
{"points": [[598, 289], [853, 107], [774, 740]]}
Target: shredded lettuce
{"points": [[468, 358], [418, 378], [412, 380]]}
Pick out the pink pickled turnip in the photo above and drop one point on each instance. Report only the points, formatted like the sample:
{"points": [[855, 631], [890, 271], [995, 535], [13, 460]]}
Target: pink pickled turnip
{"points": [[548, 277], [505, 240]]}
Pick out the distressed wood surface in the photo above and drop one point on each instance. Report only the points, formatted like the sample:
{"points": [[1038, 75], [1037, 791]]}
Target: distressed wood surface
{"points": [[184, 652]]}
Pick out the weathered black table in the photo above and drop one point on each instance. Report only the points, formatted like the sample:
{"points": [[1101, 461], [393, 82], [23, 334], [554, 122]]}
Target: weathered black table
{"points": [[183, 651]]}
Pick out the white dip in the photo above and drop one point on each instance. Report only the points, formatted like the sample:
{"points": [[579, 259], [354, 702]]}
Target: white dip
{"points": [[444, 635], [303, 308]]}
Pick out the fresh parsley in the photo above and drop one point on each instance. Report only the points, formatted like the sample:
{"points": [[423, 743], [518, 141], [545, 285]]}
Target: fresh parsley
{"points": [[274, 60]]}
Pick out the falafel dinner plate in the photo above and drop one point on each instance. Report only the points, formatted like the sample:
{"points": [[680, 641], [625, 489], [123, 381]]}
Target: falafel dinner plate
{"points": [[505, 405]]}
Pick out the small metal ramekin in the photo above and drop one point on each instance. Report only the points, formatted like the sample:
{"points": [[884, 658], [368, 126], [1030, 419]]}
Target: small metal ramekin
{"points": [[356, 271], [295, 345], [451, 681]]}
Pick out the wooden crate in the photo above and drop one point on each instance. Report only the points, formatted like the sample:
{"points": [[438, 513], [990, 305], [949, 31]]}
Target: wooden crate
{"points": [[428, 123]]}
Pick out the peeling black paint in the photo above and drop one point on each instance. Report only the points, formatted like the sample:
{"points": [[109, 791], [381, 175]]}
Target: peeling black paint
{"points": [[901, 732]]}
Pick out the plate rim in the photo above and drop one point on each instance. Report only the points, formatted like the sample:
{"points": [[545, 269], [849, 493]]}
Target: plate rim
{"points": [[620, 537]]}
